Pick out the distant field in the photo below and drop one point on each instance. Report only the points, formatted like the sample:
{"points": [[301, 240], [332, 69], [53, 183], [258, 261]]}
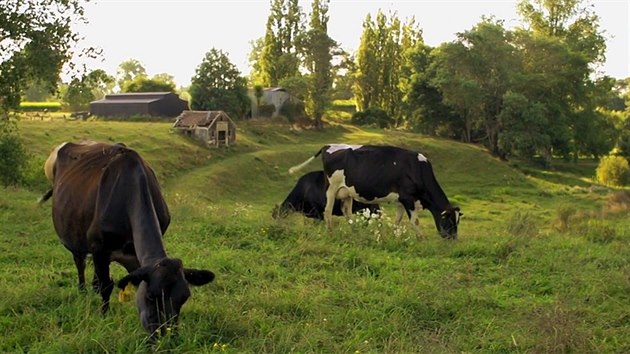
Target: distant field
{"points": [[541, 264]]}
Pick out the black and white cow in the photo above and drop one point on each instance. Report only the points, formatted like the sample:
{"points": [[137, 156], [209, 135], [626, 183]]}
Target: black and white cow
{"points": [[377, 174], [308, 197]]}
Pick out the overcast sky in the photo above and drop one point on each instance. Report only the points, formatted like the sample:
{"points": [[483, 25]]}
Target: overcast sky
{"points": [[172, 36]]}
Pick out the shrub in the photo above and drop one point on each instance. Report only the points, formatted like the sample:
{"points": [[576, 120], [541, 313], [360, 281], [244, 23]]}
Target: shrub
{"points": [[13, 157], [373, 116], [613, 170], [293, 111], [266, 110]]}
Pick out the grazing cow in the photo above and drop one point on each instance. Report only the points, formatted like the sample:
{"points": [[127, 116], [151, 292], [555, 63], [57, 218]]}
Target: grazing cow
{"points": [[309, 198], [107, 202], [376, 174]]}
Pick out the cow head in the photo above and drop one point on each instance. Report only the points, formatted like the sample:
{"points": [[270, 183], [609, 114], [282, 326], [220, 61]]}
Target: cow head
{"points": [[447, 225], [162, 290]]}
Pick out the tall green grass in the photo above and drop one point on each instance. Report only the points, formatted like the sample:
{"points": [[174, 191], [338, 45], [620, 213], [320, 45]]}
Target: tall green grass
{"points": [[514, 281]]}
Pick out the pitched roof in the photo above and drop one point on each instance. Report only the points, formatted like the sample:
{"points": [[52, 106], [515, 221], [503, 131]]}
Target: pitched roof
{"points": [[133, 97], [196, 118]]}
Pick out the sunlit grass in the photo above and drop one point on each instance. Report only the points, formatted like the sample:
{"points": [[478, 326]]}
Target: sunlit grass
{"points": [[527, 273]]}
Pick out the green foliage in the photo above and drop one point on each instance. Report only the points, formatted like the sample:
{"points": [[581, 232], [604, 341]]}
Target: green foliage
{"points": [[81, 91], [144, 84], [40, 106], [218, 85], [373, 117], [266, 110], [317, 48], [382, 63], [275, 56], [128, 70], [297, 86], [623, 140], [613, 171], [35, 44], [524, 127], [13, 155], [486, 63], [293, 111]]}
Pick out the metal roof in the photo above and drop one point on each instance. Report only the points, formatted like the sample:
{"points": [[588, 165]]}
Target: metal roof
{"points": [[197, 118]]}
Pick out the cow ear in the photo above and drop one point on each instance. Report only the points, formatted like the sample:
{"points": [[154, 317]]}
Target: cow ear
{"points": [[197, 276], [135, 277]]}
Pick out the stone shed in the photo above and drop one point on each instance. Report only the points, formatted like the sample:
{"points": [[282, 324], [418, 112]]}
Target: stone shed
{"points": [[213, 128]]}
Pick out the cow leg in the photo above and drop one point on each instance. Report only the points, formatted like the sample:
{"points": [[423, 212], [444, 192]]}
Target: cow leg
{"points": [[399, 213], [331, 193], [413, 219], [409, 205], [346, 207], [104, 283], [79, 262]]}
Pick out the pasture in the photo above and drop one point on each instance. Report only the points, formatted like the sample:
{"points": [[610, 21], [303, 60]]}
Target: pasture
{"points": [[541, 264]]}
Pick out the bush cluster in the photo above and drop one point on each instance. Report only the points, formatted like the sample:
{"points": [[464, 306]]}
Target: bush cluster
{"points": [[613, 171], [373, 117], [266, 110], [293, 111]]}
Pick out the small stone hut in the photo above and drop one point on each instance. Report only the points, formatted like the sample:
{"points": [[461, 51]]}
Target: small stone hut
{"points": [[213, 128]]}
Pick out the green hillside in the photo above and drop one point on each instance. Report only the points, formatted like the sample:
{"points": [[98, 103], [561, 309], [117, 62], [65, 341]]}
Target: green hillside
{"points": [[540, 264]]}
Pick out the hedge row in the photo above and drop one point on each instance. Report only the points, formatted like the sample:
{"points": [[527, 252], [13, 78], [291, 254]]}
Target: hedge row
{"points": [[40, 106]]}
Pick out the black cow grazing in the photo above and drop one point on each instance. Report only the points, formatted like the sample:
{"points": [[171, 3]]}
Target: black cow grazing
{"points": [[309, 198], [376, 174], [107, 202]]}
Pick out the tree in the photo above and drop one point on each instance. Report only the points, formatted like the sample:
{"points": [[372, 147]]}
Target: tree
{"points": [[474, 73], [144, 84], [382, 59], [426, 110], [36, 40], [218, 85], [82, 91], [278, 56], [571, 29], [318, 47], [127, 71], [36, 91]]}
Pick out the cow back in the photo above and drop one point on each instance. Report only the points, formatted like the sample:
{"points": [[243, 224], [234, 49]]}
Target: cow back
{"points": [[92, 191]]}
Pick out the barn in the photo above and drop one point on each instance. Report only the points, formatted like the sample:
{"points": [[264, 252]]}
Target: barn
{"points": [[155, 104], [213, 128]]}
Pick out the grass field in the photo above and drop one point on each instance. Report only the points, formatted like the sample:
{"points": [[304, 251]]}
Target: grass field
{"points": [[541, 264]]}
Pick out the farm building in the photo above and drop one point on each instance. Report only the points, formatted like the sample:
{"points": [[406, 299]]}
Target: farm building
{"points": [[214, 128], [277, 97], [156, 104]]}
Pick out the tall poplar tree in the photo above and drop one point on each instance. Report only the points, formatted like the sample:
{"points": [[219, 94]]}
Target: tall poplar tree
{"points": [[318, 53], [279, 57], [381, 61]]}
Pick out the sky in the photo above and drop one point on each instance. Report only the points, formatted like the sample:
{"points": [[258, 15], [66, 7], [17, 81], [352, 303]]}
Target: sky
{"points": [[173, 36]]}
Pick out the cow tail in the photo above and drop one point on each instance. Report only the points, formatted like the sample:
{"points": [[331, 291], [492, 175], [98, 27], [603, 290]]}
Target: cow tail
{"points": [[297, 168], [45, 197]]}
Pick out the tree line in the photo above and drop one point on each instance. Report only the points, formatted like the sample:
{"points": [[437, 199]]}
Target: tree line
{"points": [[530, 91]]}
